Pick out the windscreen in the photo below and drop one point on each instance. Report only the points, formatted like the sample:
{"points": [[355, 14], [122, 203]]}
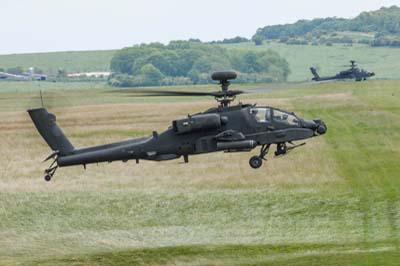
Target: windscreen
{"points": [[284, 117], [261, 114]]}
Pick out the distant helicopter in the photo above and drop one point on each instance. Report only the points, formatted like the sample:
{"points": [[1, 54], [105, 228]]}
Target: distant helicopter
{"points": [[352, 73], [237, 128]]}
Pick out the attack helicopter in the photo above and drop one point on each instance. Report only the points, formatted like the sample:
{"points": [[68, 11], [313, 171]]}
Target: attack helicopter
{"points": [[352, 73], [227, 128]]}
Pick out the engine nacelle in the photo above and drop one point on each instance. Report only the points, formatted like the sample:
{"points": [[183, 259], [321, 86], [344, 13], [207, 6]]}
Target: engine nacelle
{"points": [[197, 123]]}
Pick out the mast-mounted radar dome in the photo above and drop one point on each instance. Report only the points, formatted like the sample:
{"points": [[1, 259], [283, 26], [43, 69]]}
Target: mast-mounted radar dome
{"points": [[223, 76]]}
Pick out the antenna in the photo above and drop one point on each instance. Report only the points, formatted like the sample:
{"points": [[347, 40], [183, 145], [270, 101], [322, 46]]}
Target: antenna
{"points": [[41, 98]]}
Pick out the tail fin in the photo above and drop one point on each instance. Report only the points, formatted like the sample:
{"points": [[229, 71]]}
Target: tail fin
{"points": [[45, 123], [314, 72]]}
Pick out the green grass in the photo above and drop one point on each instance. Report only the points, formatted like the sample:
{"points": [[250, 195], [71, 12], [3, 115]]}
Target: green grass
{"points": [[329, 60], [333, 202], [78, 61], [383, 61], [17, 95], [240, 255], [356, 36]]}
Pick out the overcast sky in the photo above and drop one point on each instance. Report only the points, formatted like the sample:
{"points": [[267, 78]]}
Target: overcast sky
{"points": [[61, 25]]}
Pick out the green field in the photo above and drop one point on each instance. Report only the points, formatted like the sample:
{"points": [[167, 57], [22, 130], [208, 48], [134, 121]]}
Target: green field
{"points": [[335, 201], [329, 60], [78, 61]]}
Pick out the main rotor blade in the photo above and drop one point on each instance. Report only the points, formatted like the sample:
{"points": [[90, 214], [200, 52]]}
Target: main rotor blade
{"points": [[161, 93], [144, 92], [218, 94]]}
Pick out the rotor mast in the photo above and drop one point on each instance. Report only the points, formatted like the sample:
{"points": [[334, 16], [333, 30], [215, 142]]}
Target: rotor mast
{"points": [[225, 97]]}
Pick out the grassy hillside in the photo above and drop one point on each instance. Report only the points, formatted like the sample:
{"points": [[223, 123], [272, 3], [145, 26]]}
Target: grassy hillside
{"points": [[383, 61], [80, 61], [329, 60], [385, 23], [333, 202]]}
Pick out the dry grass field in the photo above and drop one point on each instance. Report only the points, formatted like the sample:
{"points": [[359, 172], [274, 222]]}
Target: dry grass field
{"points": [[333, 202]]}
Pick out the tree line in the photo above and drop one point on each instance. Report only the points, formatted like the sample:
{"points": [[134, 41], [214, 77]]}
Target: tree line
{"points": [[385, 23], [191, 62]]}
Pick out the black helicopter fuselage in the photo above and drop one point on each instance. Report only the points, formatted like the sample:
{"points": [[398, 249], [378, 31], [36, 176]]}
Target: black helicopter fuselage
{"points": [[352, 73], [226, 128], [231, 129]]}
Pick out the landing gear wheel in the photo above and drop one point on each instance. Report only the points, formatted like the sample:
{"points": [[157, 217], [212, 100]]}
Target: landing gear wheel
{"points": [[255, 162], [49, 172], [47, 178]]}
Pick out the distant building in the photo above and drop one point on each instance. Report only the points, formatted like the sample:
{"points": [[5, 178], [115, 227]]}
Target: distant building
{"points": [[23, 76], [103, 74], [5, 75]]}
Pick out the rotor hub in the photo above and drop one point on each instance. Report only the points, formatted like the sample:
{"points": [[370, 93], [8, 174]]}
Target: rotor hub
{"points": [[225, 97]]}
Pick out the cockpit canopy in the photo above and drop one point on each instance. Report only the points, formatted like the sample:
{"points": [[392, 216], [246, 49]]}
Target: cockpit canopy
{"points": [[261, 114], [267, 114]]}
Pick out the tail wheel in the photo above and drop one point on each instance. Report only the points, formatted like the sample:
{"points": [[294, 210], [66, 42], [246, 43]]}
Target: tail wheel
{"points": [[255, 162]]}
